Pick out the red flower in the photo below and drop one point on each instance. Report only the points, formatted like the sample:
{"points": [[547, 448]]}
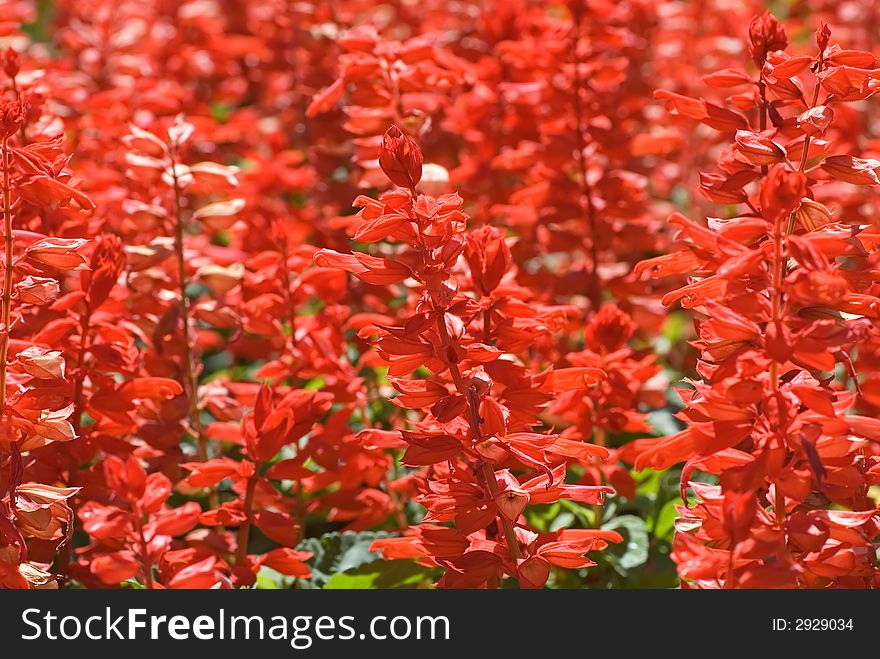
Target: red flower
{"points": [[11, 117], [400, 158], [782, 191], [766, 34], [764, 416]]}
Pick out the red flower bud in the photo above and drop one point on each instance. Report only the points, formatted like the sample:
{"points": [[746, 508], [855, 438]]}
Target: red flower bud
{"points": [[609, 330], [782, 191], [11, 62], [488, 257], [106, 263], [400, 158], [10, 117], [823, 35], [766, 34]]}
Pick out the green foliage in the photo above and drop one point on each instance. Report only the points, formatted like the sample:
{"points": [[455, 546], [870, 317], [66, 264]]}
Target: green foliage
{"points": [[633, 551], [384, 574], [40, 30], [338, 552], [269, 579], [131, 584]]}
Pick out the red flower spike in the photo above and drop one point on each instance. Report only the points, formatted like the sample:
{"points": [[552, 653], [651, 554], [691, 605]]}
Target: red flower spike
{"points": [[763, 409], [191, 381], [400, 158]]}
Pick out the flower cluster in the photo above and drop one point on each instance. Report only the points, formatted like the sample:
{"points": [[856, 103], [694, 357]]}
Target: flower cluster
{"points": [[476, 432], [215, 374], [786, 298]]}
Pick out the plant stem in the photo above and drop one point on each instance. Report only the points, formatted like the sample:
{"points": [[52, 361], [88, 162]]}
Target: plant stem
{"points": [[807, 138], [299, 510], [504, 524], [7, 287], [147, 565], [290, 308], [730, 579], [776, 292], [399, 515], [79, 383], [192, 382], [66, 555], [779, 505], [595, 292], [599, 440], [762, 115], [488, 473], [244, 529]]}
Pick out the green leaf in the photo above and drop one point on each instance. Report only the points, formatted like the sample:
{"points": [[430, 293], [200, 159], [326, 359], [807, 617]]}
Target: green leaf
{"points": [[338, 552], [541, 516], [315, 383], [382, 574], [659, 573], [564, 520], [41, 29], [220, 112], [633, 551], [664, 527], [131, 584], [269, 579]]}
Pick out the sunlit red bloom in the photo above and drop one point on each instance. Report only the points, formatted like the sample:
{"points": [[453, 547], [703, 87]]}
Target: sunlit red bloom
{"points": [[400, 158], [763, 417], [214, 373], [766, 34], [11, 117]]}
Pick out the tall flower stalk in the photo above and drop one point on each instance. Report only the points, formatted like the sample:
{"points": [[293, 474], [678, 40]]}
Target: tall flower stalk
{"points": [[477, 430], [785, 305]]}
